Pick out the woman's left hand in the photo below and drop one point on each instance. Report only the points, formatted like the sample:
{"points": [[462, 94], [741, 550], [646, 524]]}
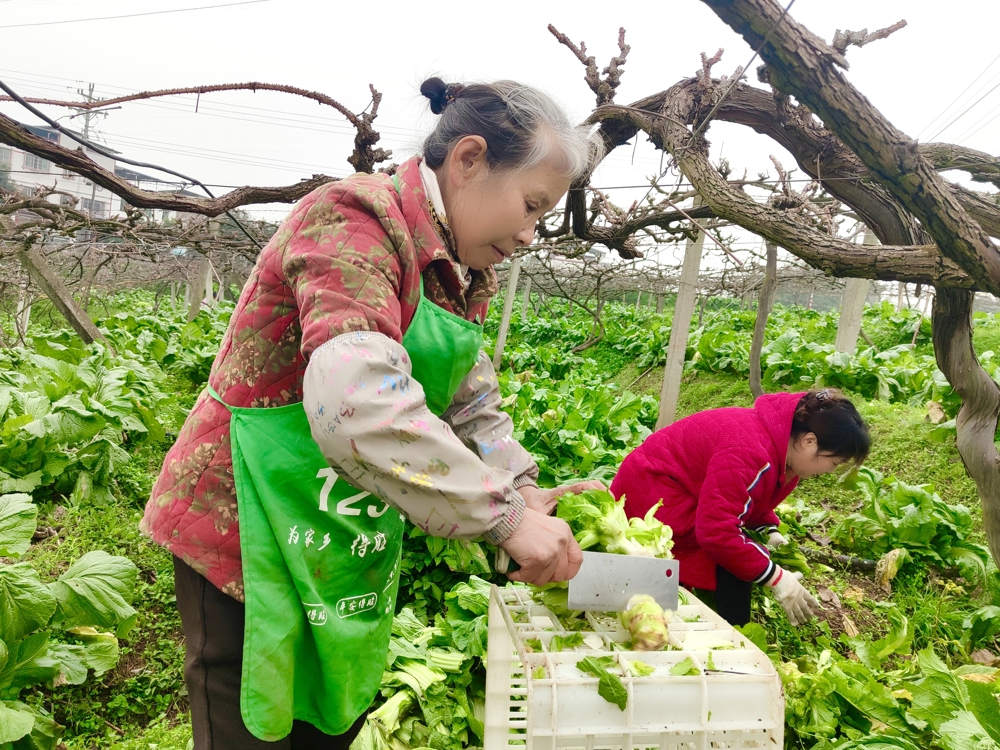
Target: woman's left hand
{"points": [[544, 501]]}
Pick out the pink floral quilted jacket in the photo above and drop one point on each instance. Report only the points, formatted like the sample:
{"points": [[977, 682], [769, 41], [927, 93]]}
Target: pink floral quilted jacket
{"points": [[287, 309]]}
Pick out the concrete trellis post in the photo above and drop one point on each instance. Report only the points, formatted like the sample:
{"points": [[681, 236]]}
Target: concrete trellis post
{"points": [[209, 286], [852, 308], [526, 295], [508, 306], [687, 293], [23, 315], [49, 282], [764, 304], [198, 285]]}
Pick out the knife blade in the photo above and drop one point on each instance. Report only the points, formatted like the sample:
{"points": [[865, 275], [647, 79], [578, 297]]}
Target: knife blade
{"points": [[606, 582]]}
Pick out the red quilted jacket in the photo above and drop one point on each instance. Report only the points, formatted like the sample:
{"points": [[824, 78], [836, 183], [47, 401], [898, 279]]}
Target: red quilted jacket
{"points": [[311, 283], [718, 472]]}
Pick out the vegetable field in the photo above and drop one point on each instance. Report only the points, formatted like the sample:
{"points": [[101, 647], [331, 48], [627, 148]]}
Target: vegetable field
{"points": [[904, 655]]}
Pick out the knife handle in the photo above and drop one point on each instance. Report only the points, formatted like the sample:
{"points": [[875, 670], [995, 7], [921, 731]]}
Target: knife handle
{"points": [[504, 563]]}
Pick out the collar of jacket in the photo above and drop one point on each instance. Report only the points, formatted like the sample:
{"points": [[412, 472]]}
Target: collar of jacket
{"points": [[776, 411], [428, 245]]}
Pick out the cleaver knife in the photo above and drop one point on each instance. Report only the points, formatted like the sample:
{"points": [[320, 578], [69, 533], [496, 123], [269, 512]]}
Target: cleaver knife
{"points": [[606, 582]]}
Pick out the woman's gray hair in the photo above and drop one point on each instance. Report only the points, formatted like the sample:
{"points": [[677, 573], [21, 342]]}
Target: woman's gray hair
{"points": [[522, 126]]}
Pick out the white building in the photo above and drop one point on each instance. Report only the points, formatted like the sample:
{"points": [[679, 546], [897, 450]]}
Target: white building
{"points": [[31, 172]]}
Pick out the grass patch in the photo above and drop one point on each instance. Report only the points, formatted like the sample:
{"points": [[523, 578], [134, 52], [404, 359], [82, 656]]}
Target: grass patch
{"points": [[609, 360], [160, 735], [147, 684]]}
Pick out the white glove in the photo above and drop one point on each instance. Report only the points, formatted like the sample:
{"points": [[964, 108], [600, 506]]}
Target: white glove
{"points": [[775, 540], [797, 602]]}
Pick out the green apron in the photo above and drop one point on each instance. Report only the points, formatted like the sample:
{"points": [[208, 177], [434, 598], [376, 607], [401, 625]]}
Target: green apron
{"points": [[320, 558]]}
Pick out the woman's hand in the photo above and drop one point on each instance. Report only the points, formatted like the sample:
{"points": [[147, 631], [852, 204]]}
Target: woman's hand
{"points": [[544, 501], [798, 603], [545, 549]]}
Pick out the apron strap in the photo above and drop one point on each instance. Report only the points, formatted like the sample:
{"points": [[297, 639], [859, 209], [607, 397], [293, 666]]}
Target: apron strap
{"points": [[216, 396]]}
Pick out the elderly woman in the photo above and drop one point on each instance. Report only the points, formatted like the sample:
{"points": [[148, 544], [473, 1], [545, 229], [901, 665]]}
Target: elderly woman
{"points": [[349, 395]]}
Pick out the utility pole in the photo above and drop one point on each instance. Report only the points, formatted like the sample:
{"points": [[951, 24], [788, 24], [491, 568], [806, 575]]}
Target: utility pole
{"points": [[89, 115]]}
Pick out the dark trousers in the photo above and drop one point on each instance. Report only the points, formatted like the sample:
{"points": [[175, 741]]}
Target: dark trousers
{"points": [[213, 626], [731, 598]]}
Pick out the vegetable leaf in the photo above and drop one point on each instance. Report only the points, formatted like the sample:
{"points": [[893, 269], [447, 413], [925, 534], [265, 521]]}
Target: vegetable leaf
{"points": [[964, 732], [563, 642], [14, 723], [18, 520], [609, 686], [984, 704], [26, 605], [939, 695], [685, 668], [96, 591]]}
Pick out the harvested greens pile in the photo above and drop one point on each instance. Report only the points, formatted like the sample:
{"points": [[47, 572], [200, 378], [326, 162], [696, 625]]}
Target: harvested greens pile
{"points": [[434, 683]]}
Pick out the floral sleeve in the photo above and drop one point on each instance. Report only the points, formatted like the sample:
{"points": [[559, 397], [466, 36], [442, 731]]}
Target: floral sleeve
{"points": [[477, 419], [371, 422]]}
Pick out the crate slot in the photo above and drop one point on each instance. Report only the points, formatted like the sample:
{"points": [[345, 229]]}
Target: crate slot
{"points": [[736, 705]]}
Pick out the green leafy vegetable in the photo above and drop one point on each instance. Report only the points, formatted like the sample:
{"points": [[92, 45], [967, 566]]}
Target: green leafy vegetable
{"points": [[15, 723], [609, 686], [17, 524], [897, 515], [897, 641], [599, 522], [685, 668], [95, 591], [563, 642], [26, 604], [984, 704]]}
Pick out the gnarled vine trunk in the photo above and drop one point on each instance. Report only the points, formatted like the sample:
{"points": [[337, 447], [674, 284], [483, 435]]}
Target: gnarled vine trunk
{"points": [[951, 322]]}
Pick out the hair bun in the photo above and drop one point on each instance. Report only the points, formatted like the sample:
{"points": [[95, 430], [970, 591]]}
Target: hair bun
{"points": [[437, 91]]}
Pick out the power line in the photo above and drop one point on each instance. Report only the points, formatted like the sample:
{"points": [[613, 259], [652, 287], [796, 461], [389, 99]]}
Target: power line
{"points": [[180, 148], [941, 113], [990, 121], [964, 112], [131, 15], [117, 157], [298, 122], [975, 127]]}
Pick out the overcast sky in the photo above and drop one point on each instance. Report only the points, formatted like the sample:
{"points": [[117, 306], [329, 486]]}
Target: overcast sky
{"points": [[340, 47]]}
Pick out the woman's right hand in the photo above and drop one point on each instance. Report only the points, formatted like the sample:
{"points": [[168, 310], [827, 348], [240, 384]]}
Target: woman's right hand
{"points": [[795, 599], [545, 549]]}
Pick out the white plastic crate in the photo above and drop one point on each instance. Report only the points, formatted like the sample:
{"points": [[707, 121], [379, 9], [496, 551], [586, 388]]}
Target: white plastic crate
{"points": [[539, 700]]}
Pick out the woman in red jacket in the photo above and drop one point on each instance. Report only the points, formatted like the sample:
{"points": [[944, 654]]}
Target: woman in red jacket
{"points": [[723, 471]]}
